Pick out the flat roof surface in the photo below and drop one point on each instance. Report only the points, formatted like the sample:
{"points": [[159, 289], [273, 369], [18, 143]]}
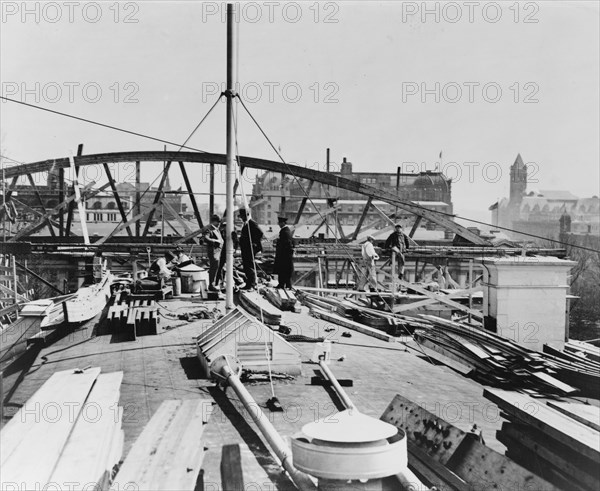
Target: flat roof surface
{"points": [[165, 366]]}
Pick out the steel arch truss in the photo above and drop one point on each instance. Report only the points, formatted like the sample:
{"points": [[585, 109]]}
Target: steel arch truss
{"points": [[46, 219]]}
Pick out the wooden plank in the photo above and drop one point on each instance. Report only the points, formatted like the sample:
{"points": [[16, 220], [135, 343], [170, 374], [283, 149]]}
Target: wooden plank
{"points": [[444, 475], [581, 470], [168, 454], [583, 413], [232, 474], [34, 438], [85, 457], [555, 424], [355, 326], [441, 298]]}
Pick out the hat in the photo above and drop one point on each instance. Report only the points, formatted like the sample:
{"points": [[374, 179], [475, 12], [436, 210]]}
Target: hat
{"points": [[370, 237], [281, 218], [398, 225], [169, 256], [215, 218], [243, 211], [178, 249]]}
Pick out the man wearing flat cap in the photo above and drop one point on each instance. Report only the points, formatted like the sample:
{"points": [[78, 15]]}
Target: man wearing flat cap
{"points": [[284, 255], [397, 242]]}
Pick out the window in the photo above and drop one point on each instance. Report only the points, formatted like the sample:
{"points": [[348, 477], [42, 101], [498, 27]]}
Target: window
{"points": [[111, 205]]}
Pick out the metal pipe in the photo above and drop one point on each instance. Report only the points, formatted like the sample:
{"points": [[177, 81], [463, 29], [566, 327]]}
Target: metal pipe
{"points": [[230, 173], [346, 401], [301, 480]]}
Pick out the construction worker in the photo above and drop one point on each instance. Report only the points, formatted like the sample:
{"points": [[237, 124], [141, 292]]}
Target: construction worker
{"points": [[369, 256], [284, 255], [250, 245], [160, 267], [181, 258], [397, 242], [214, 242]]}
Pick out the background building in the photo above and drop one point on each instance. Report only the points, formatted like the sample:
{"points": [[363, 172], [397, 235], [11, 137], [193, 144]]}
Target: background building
{"points": [[275, 194], [545, 213]]}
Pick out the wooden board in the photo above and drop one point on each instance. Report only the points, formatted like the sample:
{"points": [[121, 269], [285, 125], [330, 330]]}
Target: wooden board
{"points": [[355, 326], [556, 425], [581, 470], [33, 439], [169, 452], [584, 413], [87, 454]]}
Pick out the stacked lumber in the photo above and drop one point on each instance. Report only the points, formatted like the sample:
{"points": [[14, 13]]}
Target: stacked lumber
{"points": [[132, 315], [583, 349], [169, 452], [360, 313], [282, 299], [446, 457], [500, 362], [68, 433], [557, 440], [260, 308]]}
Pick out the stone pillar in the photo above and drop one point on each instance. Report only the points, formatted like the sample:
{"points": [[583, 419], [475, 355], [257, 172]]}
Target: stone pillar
{"points": [[525, 299]]}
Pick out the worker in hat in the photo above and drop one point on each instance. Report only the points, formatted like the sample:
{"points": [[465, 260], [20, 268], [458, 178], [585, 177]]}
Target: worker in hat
{"points": [[160, 267], [397, 242], [369, 256], [250, 245], [284, 254], [214, 242]]}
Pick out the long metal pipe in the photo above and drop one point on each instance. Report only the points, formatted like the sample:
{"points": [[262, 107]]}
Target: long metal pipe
{"points": [[346, 401], [301, 480], [230, 173]]}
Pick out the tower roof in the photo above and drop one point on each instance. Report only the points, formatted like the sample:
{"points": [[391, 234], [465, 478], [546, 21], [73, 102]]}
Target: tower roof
{"points": [[519, 162]]}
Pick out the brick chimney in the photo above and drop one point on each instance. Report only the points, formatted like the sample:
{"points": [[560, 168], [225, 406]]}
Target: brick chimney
{"points": [[346, 167]]}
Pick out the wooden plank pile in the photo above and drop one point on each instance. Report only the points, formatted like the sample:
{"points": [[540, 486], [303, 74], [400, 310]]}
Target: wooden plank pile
{"points": [[68, 434], [447, 457], [282, 299], [561, 445], [169, 452], [500, 362], [132, 315], [358, 312], [583, 349]]}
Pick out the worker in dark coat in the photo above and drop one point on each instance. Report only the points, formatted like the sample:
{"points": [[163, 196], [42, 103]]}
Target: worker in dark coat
{"points": [[284, 255], [250, 245], [214, 243], [397, 242]]}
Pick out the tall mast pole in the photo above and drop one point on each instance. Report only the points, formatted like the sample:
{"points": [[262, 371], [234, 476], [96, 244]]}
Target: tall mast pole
{"points": [[230, 178]]}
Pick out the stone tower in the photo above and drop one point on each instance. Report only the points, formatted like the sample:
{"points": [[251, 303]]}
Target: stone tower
{"points": [[518, 181]]}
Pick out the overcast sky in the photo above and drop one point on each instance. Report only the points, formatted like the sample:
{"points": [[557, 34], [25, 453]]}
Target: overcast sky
{"points": [[383, 84]]}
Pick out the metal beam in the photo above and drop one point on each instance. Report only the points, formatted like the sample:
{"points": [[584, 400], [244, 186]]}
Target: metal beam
{"points": [[362, 218], [86, 193], [157, 197], [261, 164], [415, 227], [193, 196], [113, 186], [303, 203], [41, 202]]}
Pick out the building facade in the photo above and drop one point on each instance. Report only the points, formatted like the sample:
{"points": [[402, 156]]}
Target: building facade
{"points": [[545, 213], [275, 194]]}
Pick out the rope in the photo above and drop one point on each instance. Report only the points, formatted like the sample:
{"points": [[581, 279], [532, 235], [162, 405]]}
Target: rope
{"points": [[245, 201], [344, 246]]}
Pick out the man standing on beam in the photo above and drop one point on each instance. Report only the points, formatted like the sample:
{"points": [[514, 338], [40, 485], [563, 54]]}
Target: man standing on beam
{"points": [[398, 243]]}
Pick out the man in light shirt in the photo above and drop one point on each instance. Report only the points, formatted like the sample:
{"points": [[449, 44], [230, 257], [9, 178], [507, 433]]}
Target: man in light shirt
{"points": [[369, 256]]}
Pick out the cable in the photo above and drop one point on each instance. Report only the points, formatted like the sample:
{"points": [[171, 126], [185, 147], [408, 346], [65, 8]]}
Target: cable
{"points": [[245, 202], [116, 128]]}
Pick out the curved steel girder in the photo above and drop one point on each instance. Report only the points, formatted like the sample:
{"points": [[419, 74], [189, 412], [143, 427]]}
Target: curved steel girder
{"points": [[254, 163]]}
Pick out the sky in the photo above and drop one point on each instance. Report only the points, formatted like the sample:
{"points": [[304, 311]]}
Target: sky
{"points": [[384, 84]]}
